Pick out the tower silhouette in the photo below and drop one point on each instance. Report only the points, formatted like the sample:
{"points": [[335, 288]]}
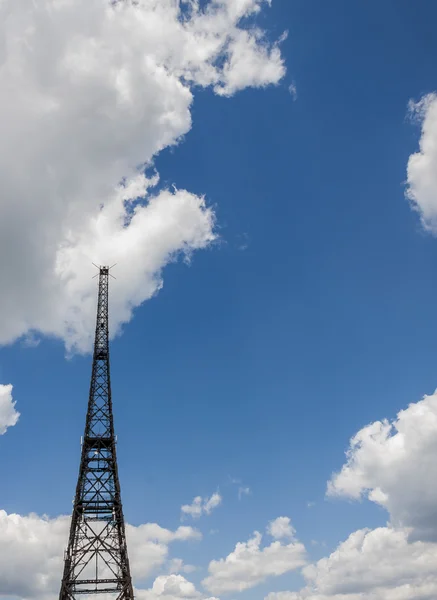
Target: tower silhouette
{"points": [[96, 560]]}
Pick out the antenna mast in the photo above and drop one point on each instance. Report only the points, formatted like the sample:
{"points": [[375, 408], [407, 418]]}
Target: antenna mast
{"points": [[96, 560]]}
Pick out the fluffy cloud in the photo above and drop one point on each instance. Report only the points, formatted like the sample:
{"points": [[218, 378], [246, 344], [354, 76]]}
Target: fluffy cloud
{"points": [[422, 166], [177, 566], [171, 587], [372, 565], [34, 545], [281, 528], [148, 546], [249, 564], [92, 89], [8, 415], [201, 506], [393, 464]]}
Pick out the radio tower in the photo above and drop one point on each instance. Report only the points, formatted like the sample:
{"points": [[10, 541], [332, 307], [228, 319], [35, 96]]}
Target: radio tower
{"points": [[96, 560]]}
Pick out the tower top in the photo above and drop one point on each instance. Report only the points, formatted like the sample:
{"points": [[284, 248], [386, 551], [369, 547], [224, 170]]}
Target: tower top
{"points": [[104, 269]]}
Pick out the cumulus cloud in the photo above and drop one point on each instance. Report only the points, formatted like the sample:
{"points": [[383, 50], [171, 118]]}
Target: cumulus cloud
{"points": [[201, 506], [422, 165], [148, 546], [177, 566], [393, 464], [92, 91], [281, 528], [31, 545], [34, 545], [372, 565], [250, 564], [8, 415], [171, 587]]}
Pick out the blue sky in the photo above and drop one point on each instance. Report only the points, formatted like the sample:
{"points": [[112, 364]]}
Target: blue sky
{"points": [[311, 316]]}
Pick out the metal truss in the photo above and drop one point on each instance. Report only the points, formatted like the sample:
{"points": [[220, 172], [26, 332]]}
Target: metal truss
{"points": [[96, 560]]}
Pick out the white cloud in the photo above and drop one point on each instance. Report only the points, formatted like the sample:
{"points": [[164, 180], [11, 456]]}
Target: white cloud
{"points": [[249, 564], [92, 89], [393, 464], [8, 415], [243, 491], [372, 565], [281, 528], [148, 546], [177, 566], [422, 166], [35, 545], [212, 503], [171, 587], [201, 506], [293, 90]]}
